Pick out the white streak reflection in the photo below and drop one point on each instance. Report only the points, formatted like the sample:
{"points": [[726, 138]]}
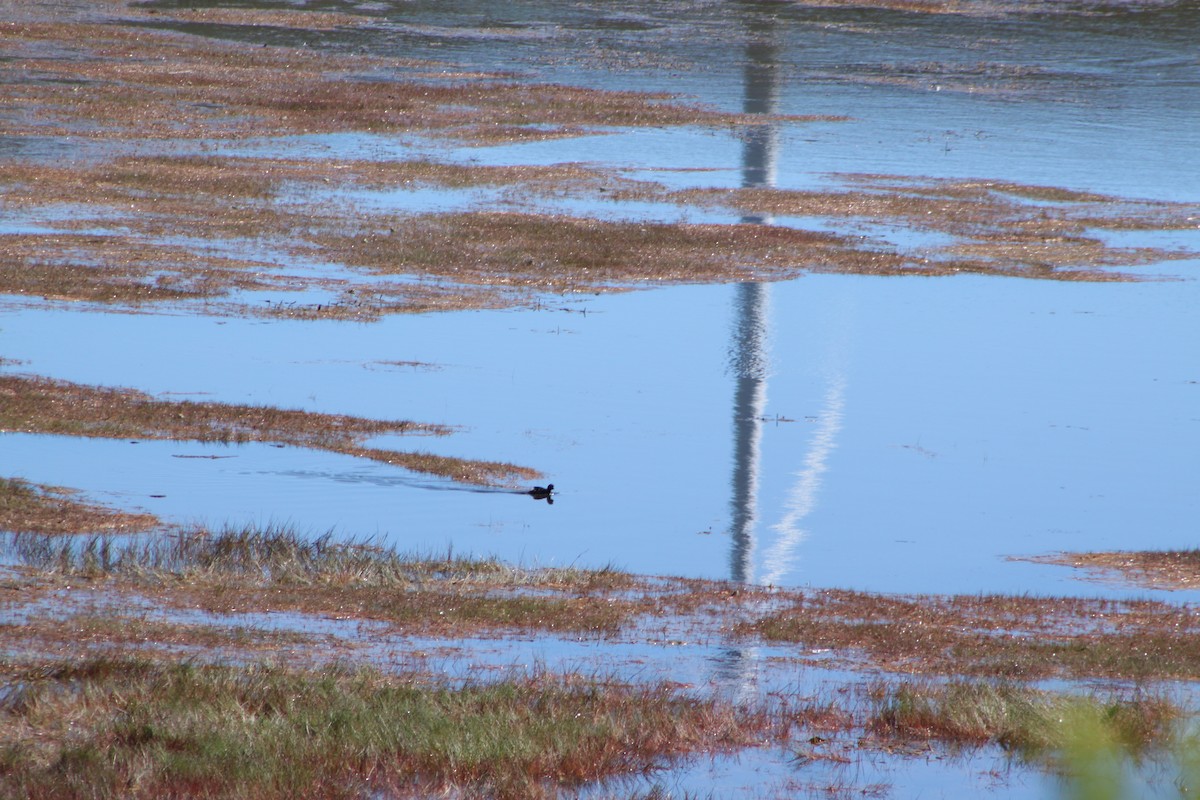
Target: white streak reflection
{"points": [[802, 498]]}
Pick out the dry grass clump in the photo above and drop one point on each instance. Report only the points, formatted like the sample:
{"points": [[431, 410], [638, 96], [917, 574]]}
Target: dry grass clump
{"points": [[129, 728], [995, 635], [42, 405], [33, 508]]}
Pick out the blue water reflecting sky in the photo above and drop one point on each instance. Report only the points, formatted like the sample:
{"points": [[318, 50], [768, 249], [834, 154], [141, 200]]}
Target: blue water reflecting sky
{"points": [[915, 431], [902, 434]]}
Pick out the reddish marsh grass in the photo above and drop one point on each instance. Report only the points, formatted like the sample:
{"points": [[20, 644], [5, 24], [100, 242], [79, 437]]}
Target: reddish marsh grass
{"points": [[150, 83], [42, 405], [1156, 569], [120, 270], [33, 508], [995, 227], [995, 635], [113, 631], [571, 731], [1015, 637], [558, 253], [147, 83], [133, 728], [494, 259]]}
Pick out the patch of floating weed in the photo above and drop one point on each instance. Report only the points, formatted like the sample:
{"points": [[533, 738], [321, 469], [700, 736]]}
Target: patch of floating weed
{"points": [[560, 253], [994, 635], [33, 508], [120, 269], [132, 728], [558, 179], [296, 18], [41, 405], [986, 8], [149, 83], [997, 226], [1154, 569]]}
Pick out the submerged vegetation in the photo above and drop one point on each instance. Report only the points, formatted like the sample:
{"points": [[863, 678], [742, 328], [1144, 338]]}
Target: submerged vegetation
{"points": [[1155, 569], [41, 405], [995, 635]]}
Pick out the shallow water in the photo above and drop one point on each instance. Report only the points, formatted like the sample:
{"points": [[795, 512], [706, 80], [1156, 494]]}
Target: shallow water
{"points": [[906, 435], [890, 434], [1097, 97]]}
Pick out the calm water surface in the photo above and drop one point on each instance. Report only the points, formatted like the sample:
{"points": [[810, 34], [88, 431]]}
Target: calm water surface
{"points": [[900, 434]]}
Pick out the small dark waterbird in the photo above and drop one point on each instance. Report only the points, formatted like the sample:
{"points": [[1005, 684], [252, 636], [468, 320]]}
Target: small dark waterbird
{"points": [[542, 493]]}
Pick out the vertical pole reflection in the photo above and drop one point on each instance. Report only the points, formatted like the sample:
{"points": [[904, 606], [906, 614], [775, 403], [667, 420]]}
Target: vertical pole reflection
{"points": [[748, 363], [748, 349]]}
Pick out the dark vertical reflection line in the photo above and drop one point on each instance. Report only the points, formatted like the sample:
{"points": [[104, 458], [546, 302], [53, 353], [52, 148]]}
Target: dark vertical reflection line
{"points": [[748, 349], [748, 364]]}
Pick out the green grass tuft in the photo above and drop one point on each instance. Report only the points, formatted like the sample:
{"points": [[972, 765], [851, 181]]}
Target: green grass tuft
{"points": [[1032, 723]]}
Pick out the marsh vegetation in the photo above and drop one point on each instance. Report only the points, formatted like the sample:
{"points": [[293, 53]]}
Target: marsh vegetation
{"points": [[40, 405], [150, 729], [32, 508], [139, 697]]}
